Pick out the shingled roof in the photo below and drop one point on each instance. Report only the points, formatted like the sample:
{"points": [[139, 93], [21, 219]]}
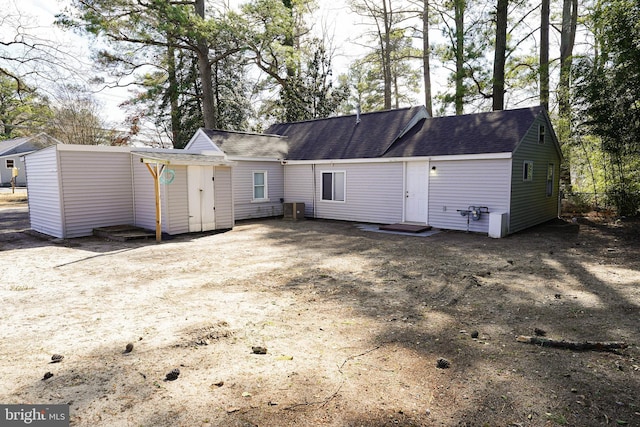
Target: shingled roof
{"points": [[406, 133], [242, 144], [346, 137], [493, 132]]}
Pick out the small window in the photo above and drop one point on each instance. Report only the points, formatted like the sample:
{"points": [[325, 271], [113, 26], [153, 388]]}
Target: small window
{"points": [[333, 186], [260, 192], [527, 170], [10, 163], [550, 176], [541, 132]]}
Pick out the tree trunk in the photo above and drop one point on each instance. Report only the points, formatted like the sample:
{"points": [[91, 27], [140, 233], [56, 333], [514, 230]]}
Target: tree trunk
{"points": [[173, 95], [567, 40], [204, 70], [459, 6], [426, 58], [500, 55], [386, 55], [544, 55]]}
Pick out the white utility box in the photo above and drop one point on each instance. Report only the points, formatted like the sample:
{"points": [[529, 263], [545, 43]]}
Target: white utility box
{"points": [[497, 224]]}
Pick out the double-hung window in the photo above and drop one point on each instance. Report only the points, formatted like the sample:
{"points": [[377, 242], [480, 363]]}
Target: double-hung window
{"points": [[333, 185], [541, 133], [527, 170], [260, 191], [550, 173]]}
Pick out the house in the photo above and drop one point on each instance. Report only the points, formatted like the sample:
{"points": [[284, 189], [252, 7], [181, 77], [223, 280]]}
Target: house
{"points": [[75, 188], [495, 173], [12, 152], [258, 173], [457, 172]]}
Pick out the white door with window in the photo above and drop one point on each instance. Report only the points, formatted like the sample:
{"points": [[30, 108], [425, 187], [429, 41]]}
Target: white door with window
{"points": [[416, 190], [200, 184]]}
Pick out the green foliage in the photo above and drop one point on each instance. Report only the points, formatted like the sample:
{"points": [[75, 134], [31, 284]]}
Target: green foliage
{"points": [[22, 110], [607, 89]]}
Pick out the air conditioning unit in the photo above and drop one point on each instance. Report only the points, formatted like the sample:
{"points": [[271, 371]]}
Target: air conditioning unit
{"points": [[293, 210]]}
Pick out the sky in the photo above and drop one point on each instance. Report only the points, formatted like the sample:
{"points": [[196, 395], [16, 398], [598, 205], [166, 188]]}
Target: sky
{"points": [[333, 16]]}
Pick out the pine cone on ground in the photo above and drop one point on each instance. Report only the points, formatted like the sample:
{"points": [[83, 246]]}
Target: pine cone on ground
{"points": [[173, 375]]}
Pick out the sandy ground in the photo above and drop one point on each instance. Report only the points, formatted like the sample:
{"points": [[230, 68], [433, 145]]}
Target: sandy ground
{"points": [[353, 322]]}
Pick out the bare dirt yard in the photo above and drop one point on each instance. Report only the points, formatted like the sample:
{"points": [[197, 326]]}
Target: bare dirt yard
{"points": [[353, 323]]}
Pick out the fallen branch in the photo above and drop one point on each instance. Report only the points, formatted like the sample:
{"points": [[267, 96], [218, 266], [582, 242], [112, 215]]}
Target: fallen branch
{"points": [[572, 345]]}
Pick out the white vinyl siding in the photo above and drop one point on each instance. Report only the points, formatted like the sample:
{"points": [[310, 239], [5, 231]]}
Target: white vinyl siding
{"points": [[456, 185], [45, 211], [333, 186], [299, 187], [245, 207], [96, 190], [201, 142], [175, 206], [144, 201], [223, 194], [260, 186], [374, 193]]}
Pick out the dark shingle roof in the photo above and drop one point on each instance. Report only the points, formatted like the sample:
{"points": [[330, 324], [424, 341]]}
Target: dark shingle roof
{"points": [[494, 132], [26, 144], [248, 144], [343, 137]]}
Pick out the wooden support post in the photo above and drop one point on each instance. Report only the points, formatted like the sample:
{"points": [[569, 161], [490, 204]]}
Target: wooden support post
{"points": [[155, 173]]}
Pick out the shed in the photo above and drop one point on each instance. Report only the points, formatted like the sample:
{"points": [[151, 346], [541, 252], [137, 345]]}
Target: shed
{"points": [[73, 189]]}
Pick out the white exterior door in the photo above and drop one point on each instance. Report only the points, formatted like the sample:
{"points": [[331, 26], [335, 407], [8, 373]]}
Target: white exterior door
{"points": [[416, 192], [201, 198]]}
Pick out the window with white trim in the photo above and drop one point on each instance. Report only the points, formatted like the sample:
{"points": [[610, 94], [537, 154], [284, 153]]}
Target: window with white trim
{"points": [[10, 163], [260, 190], [550, 176], [527, 170], [333, 185], [541, 132]]}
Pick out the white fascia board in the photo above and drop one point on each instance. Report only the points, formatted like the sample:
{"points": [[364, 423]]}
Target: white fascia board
{"points": [[253, 159], [484, 156], [94, 148]]}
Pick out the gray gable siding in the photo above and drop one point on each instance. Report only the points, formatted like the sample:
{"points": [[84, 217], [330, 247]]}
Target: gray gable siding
{"points": [[200, 142], [97, 190], [244, 206], [45, 210], [530, 204]]}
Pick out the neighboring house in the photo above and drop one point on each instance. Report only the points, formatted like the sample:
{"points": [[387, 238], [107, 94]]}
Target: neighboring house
{"points": [[12, 152], [402, 166], [495, 173]]}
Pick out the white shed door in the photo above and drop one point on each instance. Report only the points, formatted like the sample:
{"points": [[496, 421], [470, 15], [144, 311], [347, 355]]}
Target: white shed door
{"points": [[201, 200], [415, 207]]}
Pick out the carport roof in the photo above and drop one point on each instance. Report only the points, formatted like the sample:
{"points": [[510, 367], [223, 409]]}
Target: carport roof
{"points": [[181, 159]]}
